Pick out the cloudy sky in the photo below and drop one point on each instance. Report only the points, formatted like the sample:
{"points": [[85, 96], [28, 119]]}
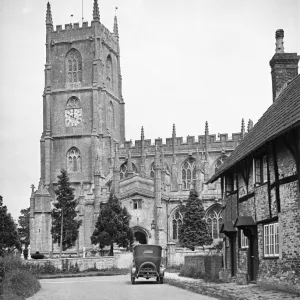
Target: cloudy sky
{"points": [[182, 61]]}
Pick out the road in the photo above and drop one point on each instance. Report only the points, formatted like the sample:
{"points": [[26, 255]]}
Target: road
{"points": [[110, 288]]}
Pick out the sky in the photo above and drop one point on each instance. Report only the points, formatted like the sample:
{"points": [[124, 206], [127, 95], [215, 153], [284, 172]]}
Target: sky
{"points": [[182, 62]]}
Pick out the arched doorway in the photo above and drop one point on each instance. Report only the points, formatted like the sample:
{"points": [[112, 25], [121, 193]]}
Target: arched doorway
{"points": [[140, 237]]}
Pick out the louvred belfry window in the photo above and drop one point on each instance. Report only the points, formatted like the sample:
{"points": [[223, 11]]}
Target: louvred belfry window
{"points": [[74, 66], [73, 160]]}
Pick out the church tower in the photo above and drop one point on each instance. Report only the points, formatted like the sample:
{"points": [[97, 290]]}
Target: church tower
{"points": [[83, 113]]}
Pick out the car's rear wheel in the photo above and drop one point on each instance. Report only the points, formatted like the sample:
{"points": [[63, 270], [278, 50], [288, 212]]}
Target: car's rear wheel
{"points": [[132, 280]]}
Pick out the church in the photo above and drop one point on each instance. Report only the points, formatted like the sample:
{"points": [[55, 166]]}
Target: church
{"points": [[84, 133]]}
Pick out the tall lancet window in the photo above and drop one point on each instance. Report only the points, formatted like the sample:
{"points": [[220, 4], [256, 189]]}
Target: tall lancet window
{"points": [[109, 72], [110, 117], [74, 66], [188, 174], [73, 160], [176, 224]]}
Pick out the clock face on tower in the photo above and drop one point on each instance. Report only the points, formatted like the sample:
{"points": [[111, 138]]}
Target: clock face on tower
{"points": [[73, 116]]}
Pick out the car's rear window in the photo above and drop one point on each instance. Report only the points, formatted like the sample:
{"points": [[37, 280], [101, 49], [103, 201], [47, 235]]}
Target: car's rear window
{"points": [[148, 251]]}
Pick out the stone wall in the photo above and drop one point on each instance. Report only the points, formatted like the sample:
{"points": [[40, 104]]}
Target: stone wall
{"points": [[122, 260], [208, 265]]}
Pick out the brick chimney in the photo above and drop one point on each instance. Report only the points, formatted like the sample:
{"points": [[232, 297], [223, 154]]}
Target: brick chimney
{"points": [[284, 66]]}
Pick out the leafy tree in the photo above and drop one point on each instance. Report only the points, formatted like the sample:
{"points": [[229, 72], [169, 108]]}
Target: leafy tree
{"points": [[194, 231], [64, 206], [113, 226], [23, 229], [8, 230]]}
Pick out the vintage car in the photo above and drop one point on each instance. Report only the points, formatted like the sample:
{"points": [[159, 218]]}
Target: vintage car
{"points": [[147, 263]]}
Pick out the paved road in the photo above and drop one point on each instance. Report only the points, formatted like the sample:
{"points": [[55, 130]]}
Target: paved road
{"points": [[110, 288]]}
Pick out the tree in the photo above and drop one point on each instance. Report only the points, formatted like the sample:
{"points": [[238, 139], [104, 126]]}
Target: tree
{"points": [[194, 231], [23, 229], [113, 226], [8, 230], [64, 225]]}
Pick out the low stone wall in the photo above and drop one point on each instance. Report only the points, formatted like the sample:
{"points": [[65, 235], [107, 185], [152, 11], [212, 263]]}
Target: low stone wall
{"points": [[121, 261], [208, 266]]}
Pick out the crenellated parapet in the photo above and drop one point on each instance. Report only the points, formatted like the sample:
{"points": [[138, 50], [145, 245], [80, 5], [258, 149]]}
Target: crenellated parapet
{"points": [[73, 32], [215, 143]]}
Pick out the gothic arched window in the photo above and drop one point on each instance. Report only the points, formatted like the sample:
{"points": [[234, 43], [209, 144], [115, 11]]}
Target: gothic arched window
{"points": [[188, 174], [74, 66], [109, 72], [73, 160], [214, 221], [176, 224], [124, 170], [110, 117]]}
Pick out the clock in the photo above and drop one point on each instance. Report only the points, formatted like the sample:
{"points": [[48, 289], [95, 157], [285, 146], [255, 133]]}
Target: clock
{"points": [[73, 116]]}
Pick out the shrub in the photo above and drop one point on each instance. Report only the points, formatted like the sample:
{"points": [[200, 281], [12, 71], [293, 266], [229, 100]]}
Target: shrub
{"points": [[17, 281], [37, 255], [190, 270]]}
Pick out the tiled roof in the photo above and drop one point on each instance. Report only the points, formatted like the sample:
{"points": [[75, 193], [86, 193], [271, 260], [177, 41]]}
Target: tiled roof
{"points": [[280, 116]]}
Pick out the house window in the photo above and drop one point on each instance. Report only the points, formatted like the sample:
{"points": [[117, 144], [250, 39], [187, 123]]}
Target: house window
{"points": [[188, 174], [176, 224], [73, 160], [244, 240], [229, 183], [137, 204], [261, 170], [271, 240], [74, 66]]}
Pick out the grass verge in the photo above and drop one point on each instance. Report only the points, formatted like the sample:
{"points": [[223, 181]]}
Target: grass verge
{"points": [[16, 281]]}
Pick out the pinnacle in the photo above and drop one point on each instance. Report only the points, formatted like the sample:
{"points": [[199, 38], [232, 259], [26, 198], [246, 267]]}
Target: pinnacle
{"points": [[116, 29], [48, 15], [142, 133], [174, 130], [96, 15], [206, 127]]}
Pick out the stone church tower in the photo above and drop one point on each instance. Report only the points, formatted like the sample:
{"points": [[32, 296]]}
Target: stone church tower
{"points": [[84, 133], [83, 115]]}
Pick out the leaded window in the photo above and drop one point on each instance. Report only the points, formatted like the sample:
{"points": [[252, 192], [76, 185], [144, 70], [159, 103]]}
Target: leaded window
{"points": [[73, 160], [176, 224], [188, 174], [74, 66], [214, 221]]}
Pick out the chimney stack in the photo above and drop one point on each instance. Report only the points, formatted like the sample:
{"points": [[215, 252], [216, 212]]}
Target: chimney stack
{"points": [[284, 66]]}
